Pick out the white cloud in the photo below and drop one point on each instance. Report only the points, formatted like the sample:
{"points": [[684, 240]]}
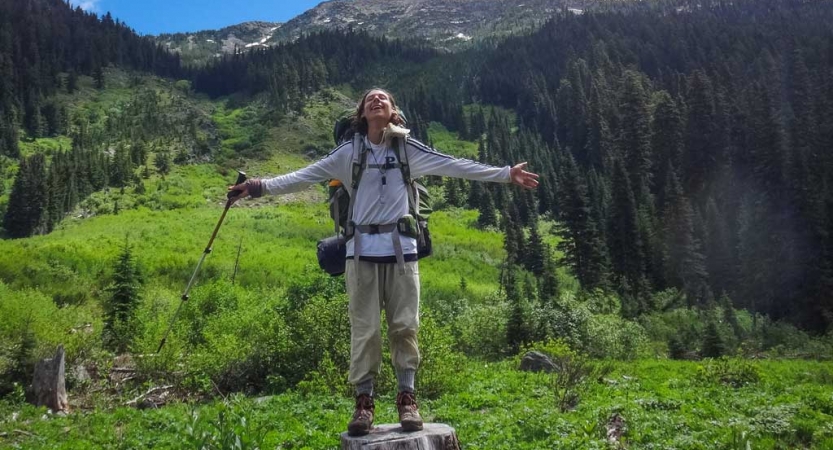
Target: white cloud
{"points": [[86, 5]]}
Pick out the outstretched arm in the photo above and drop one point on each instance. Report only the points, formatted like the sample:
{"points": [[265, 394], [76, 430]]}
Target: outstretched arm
{"points": [[331, 166], [427, 161]]}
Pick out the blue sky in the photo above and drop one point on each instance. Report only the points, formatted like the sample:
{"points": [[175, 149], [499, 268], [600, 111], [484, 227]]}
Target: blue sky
{"points": [[170, 16]]}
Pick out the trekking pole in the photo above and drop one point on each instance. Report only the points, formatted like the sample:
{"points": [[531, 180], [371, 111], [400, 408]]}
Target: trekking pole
{"points": [[241, 178], [237, 261]]}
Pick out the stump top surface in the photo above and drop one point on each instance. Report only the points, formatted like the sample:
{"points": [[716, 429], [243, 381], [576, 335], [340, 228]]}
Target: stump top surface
{"points": [[393, 432]]}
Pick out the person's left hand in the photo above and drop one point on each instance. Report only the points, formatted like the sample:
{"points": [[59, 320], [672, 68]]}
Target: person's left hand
{"points": [[522, 178]]}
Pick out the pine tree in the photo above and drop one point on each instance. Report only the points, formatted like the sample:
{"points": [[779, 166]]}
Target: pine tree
{"points": [[684, 261], [72, 82], [28, 198], [517, 329], [162, 161], [582, 243], [635, 138], [700, 146], [488, 216], [120, 325], [600, 147], [98, 75], [537, 252], [667, 141], [625, 242], [714, 346]]}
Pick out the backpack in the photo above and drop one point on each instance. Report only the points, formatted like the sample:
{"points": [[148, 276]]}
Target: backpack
{"points": [[332, 250]]}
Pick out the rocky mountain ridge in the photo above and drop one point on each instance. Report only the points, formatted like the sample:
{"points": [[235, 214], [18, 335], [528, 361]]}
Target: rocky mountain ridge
{"points": [[448, 24], [201, 46]]}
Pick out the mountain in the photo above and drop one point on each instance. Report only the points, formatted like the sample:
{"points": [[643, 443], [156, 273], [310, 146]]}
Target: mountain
{"points": [[199, 47], [447, 24]]}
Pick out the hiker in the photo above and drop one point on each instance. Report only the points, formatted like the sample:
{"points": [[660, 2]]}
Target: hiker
{"points": [[386, 274]]}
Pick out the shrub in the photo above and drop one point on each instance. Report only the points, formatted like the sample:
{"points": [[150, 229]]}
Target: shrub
{"points": [[229, 429], [611, 336], [574, 372], [728, 371], [439, 366], [482, 330]]}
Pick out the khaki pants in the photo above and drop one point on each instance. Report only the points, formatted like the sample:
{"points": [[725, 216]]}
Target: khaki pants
{"points": [[371, 288]]}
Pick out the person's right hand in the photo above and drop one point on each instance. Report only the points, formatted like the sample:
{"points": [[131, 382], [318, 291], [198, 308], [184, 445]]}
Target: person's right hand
{"points": [[243, 191]]}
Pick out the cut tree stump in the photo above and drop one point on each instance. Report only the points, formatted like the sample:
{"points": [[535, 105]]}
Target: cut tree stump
{"points": [[48, 384], [434, 436]]}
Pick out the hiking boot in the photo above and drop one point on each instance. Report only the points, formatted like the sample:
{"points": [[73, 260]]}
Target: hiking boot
{"points": [[362, 421], [409, 416]]}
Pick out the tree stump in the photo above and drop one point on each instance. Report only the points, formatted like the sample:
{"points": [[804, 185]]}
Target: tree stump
{"points": [[48, 385], [434, 436]]}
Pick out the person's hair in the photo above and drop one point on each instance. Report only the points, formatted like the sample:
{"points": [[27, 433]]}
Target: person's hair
{"points": [[359, 122]]}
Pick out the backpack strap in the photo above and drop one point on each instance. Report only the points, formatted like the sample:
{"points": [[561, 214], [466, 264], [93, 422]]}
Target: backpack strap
{"points": [[413, 192], [335, 206], [358, 165]]}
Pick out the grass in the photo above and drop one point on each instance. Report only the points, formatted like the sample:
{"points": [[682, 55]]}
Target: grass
{"points": [[492, 406]]}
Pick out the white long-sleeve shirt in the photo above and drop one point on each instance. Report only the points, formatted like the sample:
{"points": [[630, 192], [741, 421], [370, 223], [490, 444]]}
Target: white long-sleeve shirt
{"points": [[377, 202]]}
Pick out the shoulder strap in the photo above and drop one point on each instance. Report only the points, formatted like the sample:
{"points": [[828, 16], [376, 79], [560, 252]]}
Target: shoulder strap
{"points": [[413, 193], [358, 165], [404, 165]]}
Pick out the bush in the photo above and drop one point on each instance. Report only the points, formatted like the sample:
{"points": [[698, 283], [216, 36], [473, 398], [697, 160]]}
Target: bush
{"points": [[481, 330], [611, 336], [438, 369], [728, 371], [574, 372]]}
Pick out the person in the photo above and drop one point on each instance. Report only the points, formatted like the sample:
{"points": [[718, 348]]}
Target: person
{"points": [[376, 280]]}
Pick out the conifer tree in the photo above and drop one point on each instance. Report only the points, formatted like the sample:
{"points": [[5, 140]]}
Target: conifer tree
{"points": [[600, 147], [635, 138], [700, 145], [714, 346], [98, 76], [537, 252], [583, 245], [488, 216], [625, 243], [162, 161], [517, 330], [120, 325], [28, 198], [666, 141], [684, 261]]}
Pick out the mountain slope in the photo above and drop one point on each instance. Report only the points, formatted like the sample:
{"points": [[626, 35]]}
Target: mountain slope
{"points": [[199, 47], [448, 24]]}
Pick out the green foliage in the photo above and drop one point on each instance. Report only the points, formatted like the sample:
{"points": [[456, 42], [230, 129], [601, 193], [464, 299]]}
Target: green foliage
{"points": [[493, 406], [226, 426], [728, 371], [120, 326], [573, 374]]}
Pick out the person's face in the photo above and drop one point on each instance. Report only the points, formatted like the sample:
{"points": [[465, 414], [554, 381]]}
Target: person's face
{"points": [[377, 106]]}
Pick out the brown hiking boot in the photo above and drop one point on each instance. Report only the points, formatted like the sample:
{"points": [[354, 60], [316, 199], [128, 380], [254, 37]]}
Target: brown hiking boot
{"points": [[409, 416], [362, 421]]}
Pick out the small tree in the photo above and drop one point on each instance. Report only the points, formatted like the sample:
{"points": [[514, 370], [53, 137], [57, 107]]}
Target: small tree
{"points": [[714, 345], [120, 308], [162, 161]]}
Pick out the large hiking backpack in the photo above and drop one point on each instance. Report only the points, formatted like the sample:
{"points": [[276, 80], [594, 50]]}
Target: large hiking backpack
{"points": [[332, 250]]}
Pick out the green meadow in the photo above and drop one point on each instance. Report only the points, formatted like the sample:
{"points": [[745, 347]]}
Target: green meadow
{"points": [[259, 354]]}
